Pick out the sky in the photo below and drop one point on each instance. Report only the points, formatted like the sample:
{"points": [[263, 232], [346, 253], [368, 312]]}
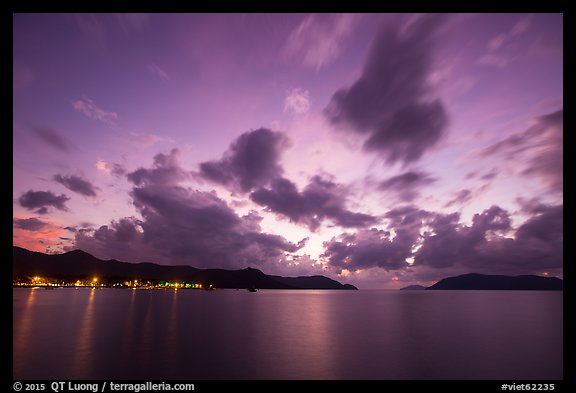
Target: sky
{"points": [[380, 150]]}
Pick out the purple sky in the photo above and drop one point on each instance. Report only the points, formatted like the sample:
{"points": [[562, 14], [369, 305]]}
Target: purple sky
{"points": [[380, 150]]}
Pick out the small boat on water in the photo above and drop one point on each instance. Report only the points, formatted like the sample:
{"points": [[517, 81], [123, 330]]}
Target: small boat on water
{"points": [[252, 289]]}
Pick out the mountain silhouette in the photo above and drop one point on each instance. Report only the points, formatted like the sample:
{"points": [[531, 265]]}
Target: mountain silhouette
{"points": [[78, 263], [475, 281]]}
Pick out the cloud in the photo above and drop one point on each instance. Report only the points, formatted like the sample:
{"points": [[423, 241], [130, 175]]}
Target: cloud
{"points": [[390, 103], [534, 246], [181, 225], [365, 249], [76, 184], [500, 61], [536, 151], [30, 224], [321, 199], [159, 72], [494, 55], [429, 245], [102, 166], [297, 101], [116, 169], [407, 185], [319, 38], [460, 198], [36, 235], [88, 108], [41, 200], [52, 138], [386, 249], [166, 171], [146, 140], [251, 161]]}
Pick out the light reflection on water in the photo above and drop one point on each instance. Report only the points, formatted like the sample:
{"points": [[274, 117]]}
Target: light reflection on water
{"points": [[85, 339], [226, 334]]}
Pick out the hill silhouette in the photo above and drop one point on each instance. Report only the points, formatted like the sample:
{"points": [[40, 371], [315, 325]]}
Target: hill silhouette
{"points": [[79, 263], [475, 281], [413, 288]]}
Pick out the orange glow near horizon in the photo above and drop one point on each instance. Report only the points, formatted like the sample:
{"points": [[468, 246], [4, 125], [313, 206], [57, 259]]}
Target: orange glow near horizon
{"points": [[49, 236]]}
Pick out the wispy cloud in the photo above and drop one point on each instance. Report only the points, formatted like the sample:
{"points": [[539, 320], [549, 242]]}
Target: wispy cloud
{"points": [[496, 54], [319, 38], [536, 151], [51, 137], [29, 224], [159, 72], [147, 140], [88, 108], [407, 186], [76, 184]]}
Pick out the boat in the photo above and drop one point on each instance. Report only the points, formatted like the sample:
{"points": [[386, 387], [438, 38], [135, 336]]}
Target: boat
{"points": [[252, 289]]}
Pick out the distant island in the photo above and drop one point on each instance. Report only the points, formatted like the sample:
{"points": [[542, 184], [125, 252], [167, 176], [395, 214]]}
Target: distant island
{"points": [[82, 269], [413, 288], [475, 281]]}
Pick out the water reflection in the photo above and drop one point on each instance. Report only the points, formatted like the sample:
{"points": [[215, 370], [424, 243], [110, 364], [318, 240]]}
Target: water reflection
{"points": [[123, 334], [170, 341], [22, 329], [129, 325], [83, 351], [299, 339]]}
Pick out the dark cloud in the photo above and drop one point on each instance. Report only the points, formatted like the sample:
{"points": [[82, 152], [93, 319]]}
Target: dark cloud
{"points": [[76, 184], [490, 245], [52, 138], [537, 151], [490, 175], [41, 200], [390, 101], [366, 249], [251, 161], [181, 225], [440, 245], [118, 170], [321, 199], [387, 249], [30, 224], [407, 185], [460, 198], [166, 171]]}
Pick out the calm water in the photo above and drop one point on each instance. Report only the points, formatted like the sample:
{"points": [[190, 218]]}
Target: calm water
{"points": [[275, 334]]}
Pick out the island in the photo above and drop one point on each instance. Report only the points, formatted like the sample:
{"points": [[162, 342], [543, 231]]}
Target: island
{"points": [[414, 288], [79, 268], [475, 281]]}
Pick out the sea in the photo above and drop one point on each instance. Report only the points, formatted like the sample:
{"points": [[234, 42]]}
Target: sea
{"points": [[115, 334]]}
